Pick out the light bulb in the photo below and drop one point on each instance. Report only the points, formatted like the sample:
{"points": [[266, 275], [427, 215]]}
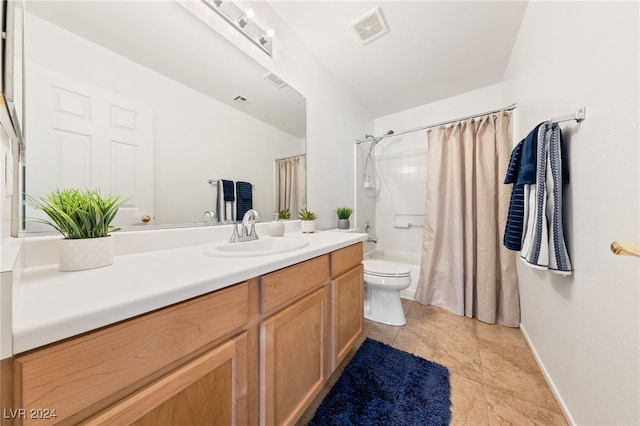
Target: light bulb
{"points": [[247, 18], [266, 37]]}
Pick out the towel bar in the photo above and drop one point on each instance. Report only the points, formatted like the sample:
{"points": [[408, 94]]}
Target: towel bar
{"points": [[625, 249]]}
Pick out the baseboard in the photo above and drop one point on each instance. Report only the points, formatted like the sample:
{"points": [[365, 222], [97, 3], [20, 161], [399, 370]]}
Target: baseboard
{"points": [[547, 377]]}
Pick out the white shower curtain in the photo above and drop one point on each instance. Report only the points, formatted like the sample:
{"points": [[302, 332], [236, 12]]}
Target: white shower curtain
{"points": [[465, 269], [291, 184]]}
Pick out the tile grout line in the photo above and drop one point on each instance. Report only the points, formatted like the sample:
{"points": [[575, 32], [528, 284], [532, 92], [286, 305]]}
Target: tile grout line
{"points": [[484, 384]]}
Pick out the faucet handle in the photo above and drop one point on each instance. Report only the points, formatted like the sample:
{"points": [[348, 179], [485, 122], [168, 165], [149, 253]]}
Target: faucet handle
{"points": [[209, 216], [252, 231], [235, 235]]}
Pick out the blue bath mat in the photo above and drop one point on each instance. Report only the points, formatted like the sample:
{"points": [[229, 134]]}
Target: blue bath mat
{"points": [[386, 386]]}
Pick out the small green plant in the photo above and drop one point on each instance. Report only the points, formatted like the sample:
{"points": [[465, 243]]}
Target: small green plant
{"points": [[79, 214], [344, 212], [284, 214], [307, 215]]}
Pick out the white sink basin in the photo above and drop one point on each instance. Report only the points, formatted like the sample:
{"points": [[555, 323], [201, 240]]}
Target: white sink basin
{"points": [[263, 246]]}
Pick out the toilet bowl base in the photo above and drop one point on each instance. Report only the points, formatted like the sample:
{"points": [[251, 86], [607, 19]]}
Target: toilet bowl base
{"points": [[384, 306]]}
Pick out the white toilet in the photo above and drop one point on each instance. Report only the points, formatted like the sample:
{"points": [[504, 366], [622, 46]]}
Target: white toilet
{"points": [[383, 281]]}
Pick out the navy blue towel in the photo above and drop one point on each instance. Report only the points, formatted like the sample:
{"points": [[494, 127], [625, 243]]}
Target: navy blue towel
{"points": [[227, 188], [528, 159], [521, 171], [244, 196]]}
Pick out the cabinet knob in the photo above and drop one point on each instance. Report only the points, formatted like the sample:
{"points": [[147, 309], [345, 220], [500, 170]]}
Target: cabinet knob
{"points": [[146, 218]]}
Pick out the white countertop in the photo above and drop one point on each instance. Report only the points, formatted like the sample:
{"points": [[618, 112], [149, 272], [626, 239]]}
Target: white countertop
{"points": [[50, 305]]}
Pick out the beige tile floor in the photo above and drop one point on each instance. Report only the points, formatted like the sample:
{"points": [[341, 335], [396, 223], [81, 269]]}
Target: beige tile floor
{"points": [[494, 378]]}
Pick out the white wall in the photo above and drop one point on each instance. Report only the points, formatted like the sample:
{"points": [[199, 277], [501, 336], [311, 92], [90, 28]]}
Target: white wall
{"points": [[402, 164], [196, 138], [334, 119], [584, 329]]}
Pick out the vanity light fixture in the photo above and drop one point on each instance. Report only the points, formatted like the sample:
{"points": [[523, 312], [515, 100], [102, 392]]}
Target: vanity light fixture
{"points": [[244, 22], [266, 37], [247, 18]]}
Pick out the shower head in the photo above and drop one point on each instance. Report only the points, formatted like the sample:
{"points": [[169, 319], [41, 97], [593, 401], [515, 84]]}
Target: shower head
{"points": [[378, 139]]}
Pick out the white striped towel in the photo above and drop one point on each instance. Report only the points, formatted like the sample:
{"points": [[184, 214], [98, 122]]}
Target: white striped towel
{"points": [[543, 244]]}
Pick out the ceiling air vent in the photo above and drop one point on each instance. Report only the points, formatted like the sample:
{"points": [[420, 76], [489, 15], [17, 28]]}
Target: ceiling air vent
{"points": [[275, 80], [241, 99], [370, 26]]}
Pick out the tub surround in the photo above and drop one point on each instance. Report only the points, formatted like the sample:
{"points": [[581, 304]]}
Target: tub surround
{"points": [[49, 305]]}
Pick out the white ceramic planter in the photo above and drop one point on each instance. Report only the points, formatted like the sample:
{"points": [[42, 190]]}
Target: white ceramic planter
{"points": [[343, 224], [307, 226], [89, 253]]}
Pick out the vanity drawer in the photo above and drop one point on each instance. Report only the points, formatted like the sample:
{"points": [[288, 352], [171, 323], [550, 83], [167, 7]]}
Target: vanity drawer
{"points": [[344, 259], [97, 367], [283, 286]]}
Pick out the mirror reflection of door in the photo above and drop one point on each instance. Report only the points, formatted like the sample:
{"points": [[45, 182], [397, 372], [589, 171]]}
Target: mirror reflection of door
{"points": [[88, 137]]}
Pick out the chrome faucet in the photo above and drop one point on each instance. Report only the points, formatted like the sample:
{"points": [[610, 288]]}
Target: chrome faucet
{"points": [[368, 226], [246, 233]]}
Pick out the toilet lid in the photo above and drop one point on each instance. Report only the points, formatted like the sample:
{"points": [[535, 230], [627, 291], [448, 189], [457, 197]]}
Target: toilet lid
{"points": [[384, 268]]}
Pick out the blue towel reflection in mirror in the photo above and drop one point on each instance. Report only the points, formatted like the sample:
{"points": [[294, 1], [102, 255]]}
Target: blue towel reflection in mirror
{"points": [[225, 201], [244, 198]]}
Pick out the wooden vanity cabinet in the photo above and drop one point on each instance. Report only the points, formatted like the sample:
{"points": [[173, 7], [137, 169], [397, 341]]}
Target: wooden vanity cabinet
{"points": [[303, 344], [347, 307], [294, 358], [295, 346], [257, 352], [209, 390], [82, 375]]}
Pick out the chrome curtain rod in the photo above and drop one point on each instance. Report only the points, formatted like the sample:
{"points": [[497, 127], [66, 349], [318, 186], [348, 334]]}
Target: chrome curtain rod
{"points": [[578, 116], [292, 156], [442, 123]]}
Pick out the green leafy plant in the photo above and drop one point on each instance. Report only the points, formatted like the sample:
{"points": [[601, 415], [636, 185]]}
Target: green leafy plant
{"points": [[78, 214], [307, 215], [284, 214], [344, 212]]}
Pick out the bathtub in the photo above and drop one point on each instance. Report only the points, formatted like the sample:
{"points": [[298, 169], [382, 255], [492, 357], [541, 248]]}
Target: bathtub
{"points": [[410, 260]]}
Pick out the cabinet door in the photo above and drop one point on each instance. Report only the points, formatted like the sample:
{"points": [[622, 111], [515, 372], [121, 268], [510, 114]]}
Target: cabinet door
{"points": [[294, 358], [347, 292], [211, 389]]}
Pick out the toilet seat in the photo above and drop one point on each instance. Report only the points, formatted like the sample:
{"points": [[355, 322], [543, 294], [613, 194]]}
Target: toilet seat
{"points": [[383, 268], [385, 274]]}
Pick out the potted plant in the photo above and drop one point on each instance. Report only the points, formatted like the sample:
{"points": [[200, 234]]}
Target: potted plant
{"points": [[343, 217], [307, 220], [284, 214], [83, 217]]}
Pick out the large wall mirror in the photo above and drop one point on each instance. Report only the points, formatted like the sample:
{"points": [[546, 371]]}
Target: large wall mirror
{"points": [[145, 100]]}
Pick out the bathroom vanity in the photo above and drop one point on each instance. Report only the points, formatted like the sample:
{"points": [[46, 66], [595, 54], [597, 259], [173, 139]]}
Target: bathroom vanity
{"points": [[256, 351]]}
